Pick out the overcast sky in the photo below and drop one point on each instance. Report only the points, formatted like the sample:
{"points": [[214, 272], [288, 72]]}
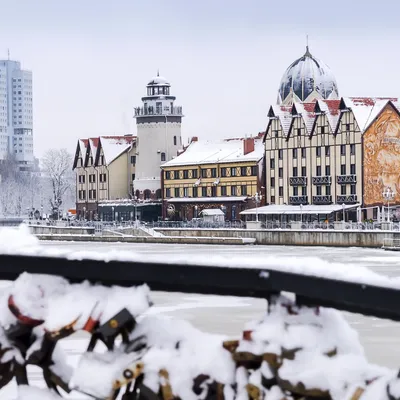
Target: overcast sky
{"points": [[91, 59]]}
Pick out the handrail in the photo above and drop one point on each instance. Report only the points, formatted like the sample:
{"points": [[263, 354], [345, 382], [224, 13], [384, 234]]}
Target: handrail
{"points": [[310, 290]]}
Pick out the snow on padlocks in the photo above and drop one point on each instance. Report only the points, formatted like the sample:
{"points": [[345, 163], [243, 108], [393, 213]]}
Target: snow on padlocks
{"points": [[291, 353]]}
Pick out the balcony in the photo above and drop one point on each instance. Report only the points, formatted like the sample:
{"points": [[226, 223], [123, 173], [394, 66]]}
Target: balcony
{"points": [[297, 200], [154, 111], [322, 199], [298, 181], [341, 179], [322, 180], [346, 199]]}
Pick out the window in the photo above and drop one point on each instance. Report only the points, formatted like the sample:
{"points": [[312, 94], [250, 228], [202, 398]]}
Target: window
{"points": [[347, 127], [233, 171], [280, 154], [133, 177], [167, 192], [243, 171], [303, 171], [81, 178], [194, 173], [342, 189], [174, 174], [322, 129], [353, 189], [327, 151], [94, 194], [213, 172], [272, 199], [204, 173], [254, 170], [195, 191], [280, 191], [328, 190], [352, 149], [174, 140], [276, 134], [223, 190], [243, 190], [233, 190], [327, 170], [319, 190], [272, 183], [272, 163], [343, 169], [343, 149], [303, 152], [299, 132], [185, 192], [294, 171], [133, 159], [295, 191], [162, 156], [353, 169], [185, 174], [304, 191], [223, 172], [176, 192], [204, 191], [294, 153], [90, 195], [318, 170], [167, 175], [280, 172], [318, 151], [213, 191], [92, 178]]}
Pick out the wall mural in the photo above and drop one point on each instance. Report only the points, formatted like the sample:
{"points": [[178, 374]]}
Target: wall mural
{"points": [[382, 157]]}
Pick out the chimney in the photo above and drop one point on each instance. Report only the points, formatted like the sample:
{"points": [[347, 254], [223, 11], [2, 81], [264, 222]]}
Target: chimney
{"points": [[248, 145]]}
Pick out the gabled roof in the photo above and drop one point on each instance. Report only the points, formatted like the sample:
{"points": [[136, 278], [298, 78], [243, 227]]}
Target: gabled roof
{"points": [[332, 111], [306, 111], [219, 151], [365, 109], [114, 146], [80, 149], [283, 113]]}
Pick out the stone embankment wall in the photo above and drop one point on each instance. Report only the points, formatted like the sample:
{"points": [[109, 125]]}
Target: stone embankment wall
{"points": [[58, 230], [292, 237]]}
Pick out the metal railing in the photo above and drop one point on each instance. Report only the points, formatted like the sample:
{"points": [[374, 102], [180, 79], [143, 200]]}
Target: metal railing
{"points": [[150, 111], [347, 199], [322, 180], [322, 199], [197, 224], [298, 200], [298, 180], [347, 179]]}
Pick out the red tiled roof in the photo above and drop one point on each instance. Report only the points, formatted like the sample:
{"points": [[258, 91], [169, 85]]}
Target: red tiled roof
{"points": [[333, 106]]}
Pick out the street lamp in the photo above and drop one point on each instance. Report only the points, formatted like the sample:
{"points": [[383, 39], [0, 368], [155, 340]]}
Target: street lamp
{"points": [[301, 213], [388, 195], [113, 216], [344, 215], [195, 210], [257, 199], [84, 213]]}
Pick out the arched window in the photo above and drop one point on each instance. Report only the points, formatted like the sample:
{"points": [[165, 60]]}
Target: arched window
{"points": [[158, 194], [162, 156], [147, 194], [174, 140]]}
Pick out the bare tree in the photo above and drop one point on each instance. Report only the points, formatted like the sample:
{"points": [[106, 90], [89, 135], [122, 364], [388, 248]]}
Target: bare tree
{"points": [[57, 169]]}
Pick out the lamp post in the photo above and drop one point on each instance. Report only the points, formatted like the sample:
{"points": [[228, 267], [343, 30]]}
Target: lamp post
{"points": [[84, 213], [388, 195], [301, 213], [195, 210], [344, 214], [257, 199], [113, 215]]}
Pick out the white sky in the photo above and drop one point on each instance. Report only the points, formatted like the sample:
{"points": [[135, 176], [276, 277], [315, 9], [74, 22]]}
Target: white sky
{"points": [[91, 59]]}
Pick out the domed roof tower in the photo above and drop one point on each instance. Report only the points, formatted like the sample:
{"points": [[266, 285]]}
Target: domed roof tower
{"points": [[306, 80]]}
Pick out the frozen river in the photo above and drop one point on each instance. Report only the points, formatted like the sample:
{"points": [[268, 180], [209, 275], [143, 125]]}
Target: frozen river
{"points": [[227, 315]]}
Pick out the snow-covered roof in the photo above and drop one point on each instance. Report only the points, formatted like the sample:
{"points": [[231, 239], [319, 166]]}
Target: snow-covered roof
{"points": [[212, 211], [306, 110], [114, 146], [219, 151], [94, 143], [83, 143], [331, 109], [158, 80], [306, 209], [221, 199], [366, 109], [283, 113]]}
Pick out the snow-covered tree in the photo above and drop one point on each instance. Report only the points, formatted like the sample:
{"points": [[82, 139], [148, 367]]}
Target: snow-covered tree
{"points": [[57, 170]]}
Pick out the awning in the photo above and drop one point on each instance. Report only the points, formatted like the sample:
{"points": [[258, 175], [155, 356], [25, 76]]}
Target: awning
{"points": [[224, 199], [307, 209]]}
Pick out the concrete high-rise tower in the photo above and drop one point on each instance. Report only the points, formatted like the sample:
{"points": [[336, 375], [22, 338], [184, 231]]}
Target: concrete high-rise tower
{"points": [[159, 138], [16, 118]]}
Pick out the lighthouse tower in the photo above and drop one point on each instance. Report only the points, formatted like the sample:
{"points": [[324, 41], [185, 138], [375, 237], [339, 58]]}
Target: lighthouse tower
{"points": [[158, 124]]}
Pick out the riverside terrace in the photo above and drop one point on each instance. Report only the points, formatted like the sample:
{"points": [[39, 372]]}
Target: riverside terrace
{"points": [[359, 290]]}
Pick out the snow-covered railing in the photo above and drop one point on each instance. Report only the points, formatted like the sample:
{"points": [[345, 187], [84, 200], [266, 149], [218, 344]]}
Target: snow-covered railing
{"points": [[298, 350]]}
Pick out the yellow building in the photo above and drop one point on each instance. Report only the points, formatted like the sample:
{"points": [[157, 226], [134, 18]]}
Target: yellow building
{"points": [[223, 174]]}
